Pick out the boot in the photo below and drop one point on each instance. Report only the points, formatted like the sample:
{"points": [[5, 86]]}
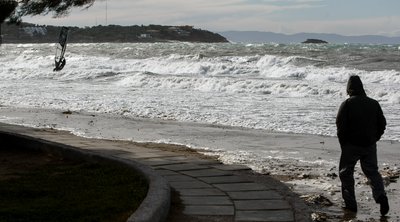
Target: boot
{"points": [[383, 201]]}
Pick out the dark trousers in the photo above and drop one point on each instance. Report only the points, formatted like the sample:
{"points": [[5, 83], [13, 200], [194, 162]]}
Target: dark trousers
{"points": [[369, 164]]}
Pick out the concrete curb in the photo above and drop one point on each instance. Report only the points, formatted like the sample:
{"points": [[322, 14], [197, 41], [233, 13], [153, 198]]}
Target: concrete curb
{"points": [[154, 208]]}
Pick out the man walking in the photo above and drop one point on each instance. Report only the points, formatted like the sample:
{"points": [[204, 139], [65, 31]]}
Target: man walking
{"points": [[360, 124]]}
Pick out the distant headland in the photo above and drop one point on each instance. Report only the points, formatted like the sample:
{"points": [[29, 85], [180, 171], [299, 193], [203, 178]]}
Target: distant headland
{"points": [[31, 33], [272, 37], [315, 41]]}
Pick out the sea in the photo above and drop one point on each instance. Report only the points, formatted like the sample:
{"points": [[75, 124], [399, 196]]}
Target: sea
{"points": [[293, 88]]}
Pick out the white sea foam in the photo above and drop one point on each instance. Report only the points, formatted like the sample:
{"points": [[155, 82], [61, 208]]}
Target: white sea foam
{"points": [[227, 84]]}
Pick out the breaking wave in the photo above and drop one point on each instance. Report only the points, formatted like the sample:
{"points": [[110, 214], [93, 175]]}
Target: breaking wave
{"points": [[260, 86]]}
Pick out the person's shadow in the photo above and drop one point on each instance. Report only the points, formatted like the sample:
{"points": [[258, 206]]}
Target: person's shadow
{"points": [[349, 216], [384, 219]]}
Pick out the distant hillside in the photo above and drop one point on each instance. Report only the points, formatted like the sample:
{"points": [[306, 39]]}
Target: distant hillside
{"points": [[262, 37], [30, 33]]}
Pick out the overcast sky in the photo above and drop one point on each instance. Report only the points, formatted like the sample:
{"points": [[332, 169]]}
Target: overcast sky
{"points": [[346, 17]]}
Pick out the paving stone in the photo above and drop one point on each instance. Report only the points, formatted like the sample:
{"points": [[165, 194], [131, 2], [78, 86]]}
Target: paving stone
{"points": [[231, 167], [148, 150], [209, 210], [141, 155], [51, 136], [179, 178], [240, 186], [184, 167], [268, 215], [138, 155], [163, 153], [166, 172], [206, 200], [204, 161], [255, 195], [174, 160], [178, 158], [261, 205], [104, 146], [200, 192], [156, 162], [73, 143], [224, 179], [154, 154], [116, 153], [107, 152], [189, 185], [206, 173], [134, 149]]}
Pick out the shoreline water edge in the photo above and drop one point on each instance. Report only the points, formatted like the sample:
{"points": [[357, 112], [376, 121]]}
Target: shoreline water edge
{"points": [[305, 163]]}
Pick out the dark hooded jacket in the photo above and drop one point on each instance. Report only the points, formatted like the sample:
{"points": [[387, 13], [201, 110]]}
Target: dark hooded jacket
{"points": [[360, 120]]}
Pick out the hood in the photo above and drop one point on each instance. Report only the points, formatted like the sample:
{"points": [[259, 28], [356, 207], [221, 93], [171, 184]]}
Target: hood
{"points": [[355, 87]]}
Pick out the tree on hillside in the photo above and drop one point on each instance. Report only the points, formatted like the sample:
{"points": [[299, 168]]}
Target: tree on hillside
{"points": [[15, 10]]}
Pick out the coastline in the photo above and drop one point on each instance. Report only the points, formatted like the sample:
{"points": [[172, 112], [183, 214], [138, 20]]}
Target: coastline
{"points": [[34, 33], [306, 163]]}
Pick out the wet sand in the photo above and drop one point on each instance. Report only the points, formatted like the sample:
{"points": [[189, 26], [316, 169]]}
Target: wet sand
{"points": [[306, 163]]}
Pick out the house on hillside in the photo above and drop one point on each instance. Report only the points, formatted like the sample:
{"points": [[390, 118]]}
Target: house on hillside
{"points": [[34, 31], [181, 30], [144, 36]]}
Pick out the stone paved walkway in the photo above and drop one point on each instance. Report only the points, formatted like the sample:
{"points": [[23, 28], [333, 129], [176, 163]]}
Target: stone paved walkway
{"points": [[205, 186]]}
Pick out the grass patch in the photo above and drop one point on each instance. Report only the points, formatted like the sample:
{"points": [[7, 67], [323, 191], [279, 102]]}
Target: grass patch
{"points": [[46, 188]]}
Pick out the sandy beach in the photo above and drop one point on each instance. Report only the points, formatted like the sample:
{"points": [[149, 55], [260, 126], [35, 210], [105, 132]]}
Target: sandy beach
{"points": [[307, 164]]}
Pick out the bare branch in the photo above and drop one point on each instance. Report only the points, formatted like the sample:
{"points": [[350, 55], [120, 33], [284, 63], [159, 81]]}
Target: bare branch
{"points": [[42, 7]]}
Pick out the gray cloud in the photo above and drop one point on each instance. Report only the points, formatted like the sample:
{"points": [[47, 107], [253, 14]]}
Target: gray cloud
{"points": [[262, 15]]}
